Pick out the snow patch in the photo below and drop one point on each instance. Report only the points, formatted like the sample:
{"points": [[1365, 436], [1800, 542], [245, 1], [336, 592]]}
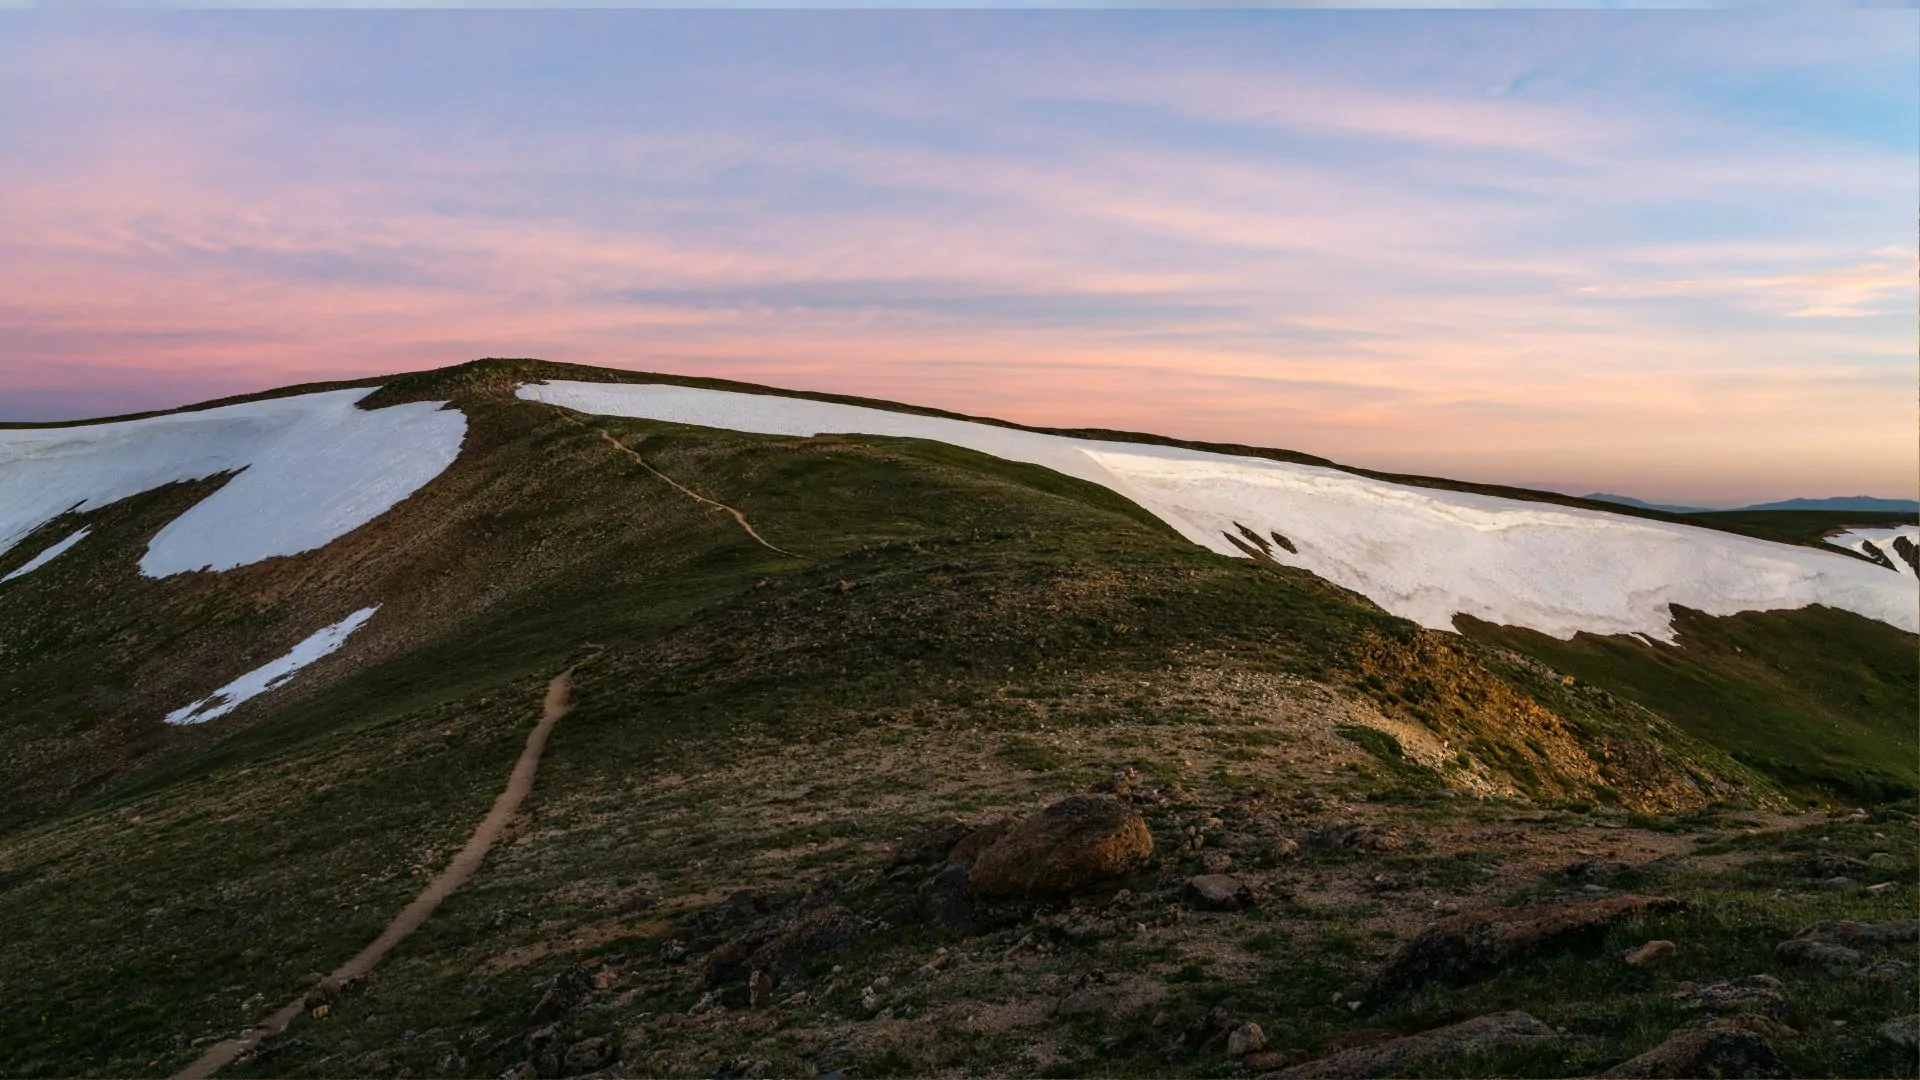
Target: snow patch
{"points": [[310, 469], [1426, 554], [46, 556], [1882, 539], [270, 675]]}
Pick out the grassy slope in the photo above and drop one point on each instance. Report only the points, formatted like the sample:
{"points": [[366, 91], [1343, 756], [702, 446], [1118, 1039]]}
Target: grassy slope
{"points": [[1798, 526], [970, 582], [160, 887], [1821, 700]]}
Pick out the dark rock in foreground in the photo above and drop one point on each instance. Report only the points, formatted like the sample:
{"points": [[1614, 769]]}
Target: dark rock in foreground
{"points": [[1472, 944], [1398, 1057], [1723, 1050]]}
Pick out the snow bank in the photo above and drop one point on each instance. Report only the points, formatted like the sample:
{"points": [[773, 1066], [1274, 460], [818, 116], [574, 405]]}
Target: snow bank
{"points": [[1423, 553], [46, 556], [270, 675], [311, 468], [1882, 539]]}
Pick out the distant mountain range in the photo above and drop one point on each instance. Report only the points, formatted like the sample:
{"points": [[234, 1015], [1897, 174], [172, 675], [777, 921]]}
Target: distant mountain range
{"points": [[1864, 503]]}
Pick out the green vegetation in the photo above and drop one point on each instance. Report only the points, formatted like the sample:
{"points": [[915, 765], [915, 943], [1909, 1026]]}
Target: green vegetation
{"points": [[1823, 701], [958, 636], [1796, 526]]}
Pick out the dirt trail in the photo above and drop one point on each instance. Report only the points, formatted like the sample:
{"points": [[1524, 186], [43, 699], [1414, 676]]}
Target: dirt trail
{"points": [[443, 884], [675, 484]]}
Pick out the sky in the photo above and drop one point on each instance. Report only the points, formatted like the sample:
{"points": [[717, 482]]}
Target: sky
{"points": [[1667, 254]]}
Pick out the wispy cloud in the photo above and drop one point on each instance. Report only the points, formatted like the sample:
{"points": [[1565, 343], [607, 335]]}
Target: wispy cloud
{"points": [[1485, 245]]}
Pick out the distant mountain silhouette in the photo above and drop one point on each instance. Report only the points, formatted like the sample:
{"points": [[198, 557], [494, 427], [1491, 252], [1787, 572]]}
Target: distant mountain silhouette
{"points": [[1857, 503], [1842, 502], [1628, 500]]}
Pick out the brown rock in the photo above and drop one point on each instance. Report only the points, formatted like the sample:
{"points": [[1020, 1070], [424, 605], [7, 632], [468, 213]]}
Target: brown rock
{"points": [[1650, 954], [1219, 892], [979, 840], [1073, 844], [929, 846], [587, 1055], [1245, 1039], [1472, 944], [325, 990], [1416, 1053], [1717, 1050], [1759, 994]]}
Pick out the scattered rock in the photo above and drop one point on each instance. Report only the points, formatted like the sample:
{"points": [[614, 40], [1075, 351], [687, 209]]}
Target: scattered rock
{"points": [[1245, 1039], [1887, 973], [587, 1055], [1722, 1049], [1093, 1001], [979, 840], [1365, 839], [1269, 1060], [929, 846], [1599, 871], [1827, 864], [1759, 994], [563, 992], [1814, 953], [1074, 844], [324, 991], [1218, 1024], [1653, 952], [1902, 1031], [1841, 943], [1218, 892], [946, 899], [759, 989], [1415, 1053], [1464, 947], [742, 1068], [817, 933]]}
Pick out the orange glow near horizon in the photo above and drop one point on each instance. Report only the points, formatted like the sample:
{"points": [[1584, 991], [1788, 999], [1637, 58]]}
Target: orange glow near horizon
{"points": [[1700, 298]]}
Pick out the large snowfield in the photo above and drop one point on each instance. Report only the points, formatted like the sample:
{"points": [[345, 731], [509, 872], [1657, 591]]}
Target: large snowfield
{"points": [[311, 468], [1426, 554], [271, 674]]}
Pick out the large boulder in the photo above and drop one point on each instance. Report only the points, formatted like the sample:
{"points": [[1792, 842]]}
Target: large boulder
{"points": [[1468, 946], [1415, 1054], [1072, 845], [1727, 1049]]}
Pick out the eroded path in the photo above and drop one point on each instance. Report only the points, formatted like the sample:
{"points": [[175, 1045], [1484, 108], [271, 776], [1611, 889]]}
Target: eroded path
{"points": [[414, 914], [696, 496]]}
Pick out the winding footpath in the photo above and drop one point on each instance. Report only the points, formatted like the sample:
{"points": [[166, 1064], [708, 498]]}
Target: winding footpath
{"points": [[696, 496], [221, 1054]]}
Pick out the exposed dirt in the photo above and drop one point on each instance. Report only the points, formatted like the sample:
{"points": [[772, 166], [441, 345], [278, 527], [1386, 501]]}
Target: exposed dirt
{"points": [[519, 783], [696, 496]]}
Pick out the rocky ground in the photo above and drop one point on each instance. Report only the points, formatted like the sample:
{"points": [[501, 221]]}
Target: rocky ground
{"points": [[1139, 929]]}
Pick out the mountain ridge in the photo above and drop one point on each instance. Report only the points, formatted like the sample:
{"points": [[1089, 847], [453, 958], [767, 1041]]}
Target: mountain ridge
{"points": [[960, 637]]}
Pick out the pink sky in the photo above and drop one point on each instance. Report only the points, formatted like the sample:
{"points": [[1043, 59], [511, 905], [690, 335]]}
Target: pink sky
{"points": [[1670, 256]]}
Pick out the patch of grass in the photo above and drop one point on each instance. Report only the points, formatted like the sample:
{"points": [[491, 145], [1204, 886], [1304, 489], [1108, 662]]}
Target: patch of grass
{"points": [[1820, 700]]}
